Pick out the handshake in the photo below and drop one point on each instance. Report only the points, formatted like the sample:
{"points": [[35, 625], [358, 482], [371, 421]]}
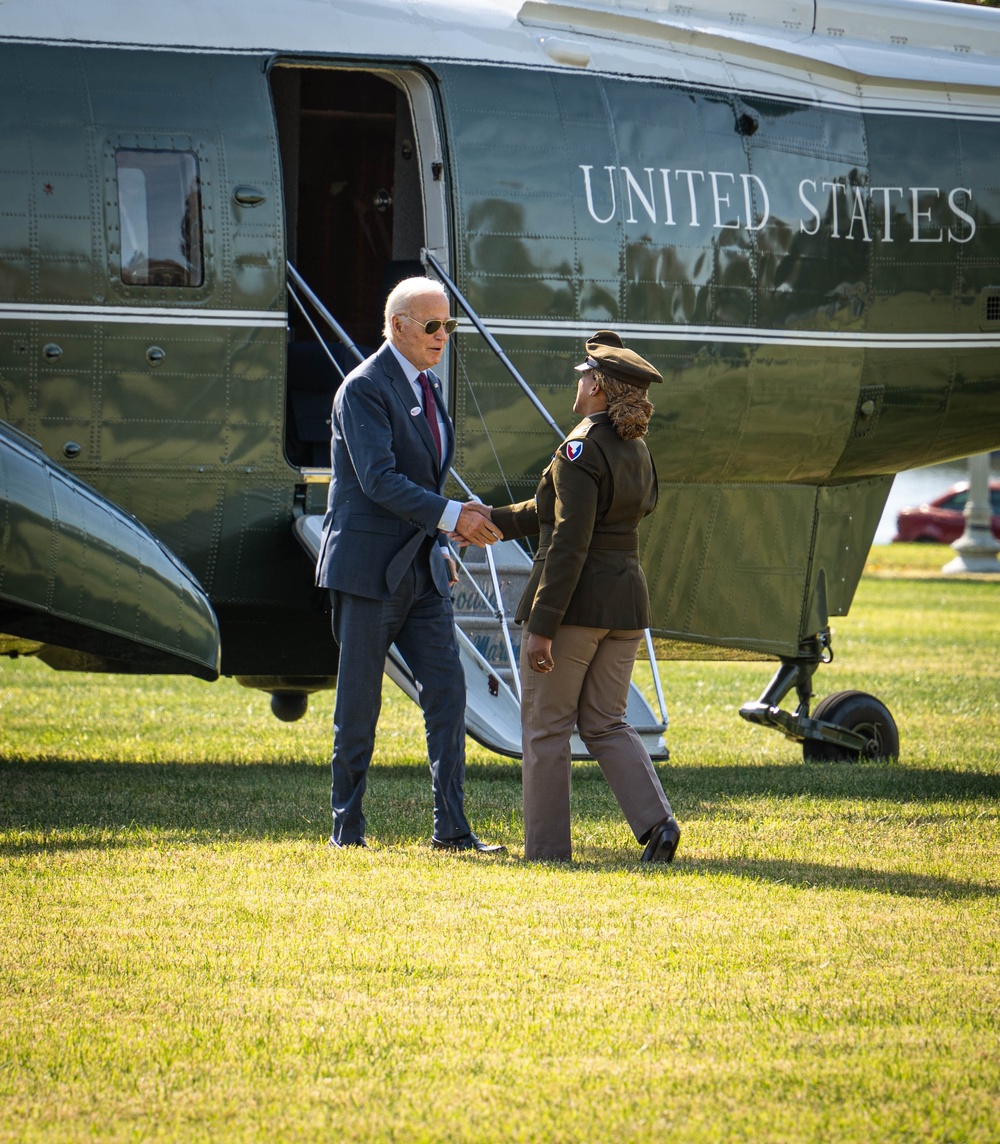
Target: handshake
{"points": [[475, 526]]}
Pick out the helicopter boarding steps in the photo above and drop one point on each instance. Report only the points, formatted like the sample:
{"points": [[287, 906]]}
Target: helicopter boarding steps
{"points": [[493, 710]]}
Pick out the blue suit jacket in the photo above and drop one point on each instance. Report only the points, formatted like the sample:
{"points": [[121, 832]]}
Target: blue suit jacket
{"points": [[386, 489]]}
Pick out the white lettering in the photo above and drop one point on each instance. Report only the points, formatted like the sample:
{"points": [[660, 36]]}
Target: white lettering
{"points": [[835, 187], [866, 214], [963, 215], [722, 200], [690, 182], [765, 202], [885, 192], [803, 229], [630, 185], [858, 214], [669, 220], [918, 214], [590, 195]]}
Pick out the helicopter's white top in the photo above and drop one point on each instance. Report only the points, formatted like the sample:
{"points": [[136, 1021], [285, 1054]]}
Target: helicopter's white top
{"points": [[870, 51]]}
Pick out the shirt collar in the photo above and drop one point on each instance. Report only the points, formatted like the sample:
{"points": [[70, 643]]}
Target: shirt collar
{"points": [[409, 369]]}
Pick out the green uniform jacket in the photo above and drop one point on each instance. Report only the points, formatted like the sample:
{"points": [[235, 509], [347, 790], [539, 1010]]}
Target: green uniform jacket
{"points": [[586, 512]]}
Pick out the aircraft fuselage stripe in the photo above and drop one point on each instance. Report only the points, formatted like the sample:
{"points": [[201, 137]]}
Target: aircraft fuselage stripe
{"points": [[843, 339], [515, 328], [149, 315]]}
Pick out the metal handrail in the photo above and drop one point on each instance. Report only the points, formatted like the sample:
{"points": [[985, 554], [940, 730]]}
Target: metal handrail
{"points": [[492, 342], [499, 611], [654, 671], [312, 326], [330, 320]]}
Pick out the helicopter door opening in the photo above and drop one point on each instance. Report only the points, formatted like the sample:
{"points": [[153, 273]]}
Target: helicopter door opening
{"points": [[362, 174]]}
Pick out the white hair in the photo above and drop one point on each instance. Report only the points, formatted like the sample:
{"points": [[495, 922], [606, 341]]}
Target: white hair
{"points": [[405, 293]]}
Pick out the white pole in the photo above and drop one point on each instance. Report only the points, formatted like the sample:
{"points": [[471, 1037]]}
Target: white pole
{"points": [[977, 548]]}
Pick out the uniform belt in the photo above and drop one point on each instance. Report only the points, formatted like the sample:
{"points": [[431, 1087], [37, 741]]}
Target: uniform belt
{"points": [[615, 543]]}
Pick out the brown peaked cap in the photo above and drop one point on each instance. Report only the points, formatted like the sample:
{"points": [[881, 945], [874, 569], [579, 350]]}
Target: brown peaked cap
{"points": [[606, 353]]}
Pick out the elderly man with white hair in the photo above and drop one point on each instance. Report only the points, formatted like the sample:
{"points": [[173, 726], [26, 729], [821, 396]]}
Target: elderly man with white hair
{"points": [[384, 559]]}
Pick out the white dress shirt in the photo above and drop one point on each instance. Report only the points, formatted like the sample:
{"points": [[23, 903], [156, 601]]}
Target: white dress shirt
{"points": [[449, 518]]}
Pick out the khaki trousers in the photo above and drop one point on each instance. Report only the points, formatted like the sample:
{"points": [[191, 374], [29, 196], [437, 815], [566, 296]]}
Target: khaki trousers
{"points": [[587, 688]]}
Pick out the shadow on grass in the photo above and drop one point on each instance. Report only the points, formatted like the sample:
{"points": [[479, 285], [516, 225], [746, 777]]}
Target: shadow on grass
{"points": [[797, 875], [289, 800], [891, 782], [812, 875], [60, 806], [107, 804]]}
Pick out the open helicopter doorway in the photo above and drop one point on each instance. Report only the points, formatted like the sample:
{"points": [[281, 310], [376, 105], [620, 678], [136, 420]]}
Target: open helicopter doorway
{"points": [[364, 193]]}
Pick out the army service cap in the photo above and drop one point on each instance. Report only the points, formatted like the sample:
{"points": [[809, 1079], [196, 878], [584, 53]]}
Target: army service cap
{"points": [[606, 353]]}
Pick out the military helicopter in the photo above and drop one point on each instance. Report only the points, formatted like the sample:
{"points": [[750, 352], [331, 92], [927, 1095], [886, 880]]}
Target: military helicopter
{"points": [[791, 207]]}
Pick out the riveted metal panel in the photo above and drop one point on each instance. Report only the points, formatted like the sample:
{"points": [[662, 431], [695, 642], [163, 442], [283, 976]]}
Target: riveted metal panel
{"points": [[726, 564], [173, 394]]}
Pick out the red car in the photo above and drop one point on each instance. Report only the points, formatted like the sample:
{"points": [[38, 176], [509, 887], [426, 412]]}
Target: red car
{"points": [[941, 519]]}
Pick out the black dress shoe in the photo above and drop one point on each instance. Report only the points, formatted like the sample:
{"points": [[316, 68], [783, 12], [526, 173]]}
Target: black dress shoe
{"points": [[663, 841], [344, 845], [467, 842]]}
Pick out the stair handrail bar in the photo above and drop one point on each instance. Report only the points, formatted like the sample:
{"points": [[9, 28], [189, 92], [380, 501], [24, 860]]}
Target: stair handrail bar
{"points": [[312, 326], [330, 320], [492, 342], [549, 420], [497, 615], [499, 611], [654, 671]]}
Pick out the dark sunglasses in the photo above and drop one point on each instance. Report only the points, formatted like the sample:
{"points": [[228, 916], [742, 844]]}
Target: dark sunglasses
{"points": [[434, 324]]}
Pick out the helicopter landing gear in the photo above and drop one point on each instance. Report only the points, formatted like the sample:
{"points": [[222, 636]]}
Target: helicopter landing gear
{"points": [[846, 726], [289, 693], [862, 714]]}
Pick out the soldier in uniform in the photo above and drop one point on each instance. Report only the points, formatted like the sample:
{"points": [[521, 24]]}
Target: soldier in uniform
{"points": [[586, 605]]}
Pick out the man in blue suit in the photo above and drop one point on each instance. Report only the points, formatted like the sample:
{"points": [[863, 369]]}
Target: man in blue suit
{"points": [[383, 558]]}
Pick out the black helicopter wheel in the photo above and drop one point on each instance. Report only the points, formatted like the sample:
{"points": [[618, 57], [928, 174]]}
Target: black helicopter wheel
{"points": [[288, 706], [858, 712]]}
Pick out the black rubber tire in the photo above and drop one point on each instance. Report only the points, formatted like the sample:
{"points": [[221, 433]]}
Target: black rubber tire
{"points": [[288, 706], [855, 711]]}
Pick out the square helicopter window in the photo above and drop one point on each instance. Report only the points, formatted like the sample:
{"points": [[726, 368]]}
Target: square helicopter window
{"points": [[159, 208]]}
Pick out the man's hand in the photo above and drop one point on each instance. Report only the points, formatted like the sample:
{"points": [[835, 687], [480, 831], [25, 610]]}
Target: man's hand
{"points": [[474, 525], [452, 567]]}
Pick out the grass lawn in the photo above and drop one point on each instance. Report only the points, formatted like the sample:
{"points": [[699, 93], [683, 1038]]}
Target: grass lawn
{"points": [[182, 958]]}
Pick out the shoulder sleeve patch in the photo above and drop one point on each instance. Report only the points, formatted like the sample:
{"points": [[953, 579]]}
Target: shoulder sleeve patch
{"points": [[573, 450]]}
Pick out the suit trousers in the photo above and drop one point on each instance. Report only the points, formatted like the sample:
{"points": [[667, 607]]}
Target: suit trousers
{"points": [[588, 688], [420, 622]]}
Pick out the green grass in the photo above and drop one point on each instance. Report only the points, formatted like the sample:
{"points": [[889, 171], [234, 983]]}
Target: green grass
{"points": [[182, 958]]}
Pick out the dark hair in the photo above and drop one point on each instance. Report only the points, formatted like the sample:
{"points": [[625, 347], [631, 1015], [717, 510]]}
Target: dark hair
{"points": [[628, 407]]}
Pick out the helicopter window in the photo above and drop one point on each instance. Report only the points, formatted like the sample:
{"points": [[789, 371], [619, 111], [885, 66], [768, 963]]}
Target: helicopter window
{"points": [[159, 208]]}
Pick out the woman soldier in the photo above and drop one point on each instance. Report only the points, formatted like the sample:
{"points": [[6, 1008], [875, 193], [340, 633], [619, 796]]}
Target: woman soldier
{"points": [[586, 605]]}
